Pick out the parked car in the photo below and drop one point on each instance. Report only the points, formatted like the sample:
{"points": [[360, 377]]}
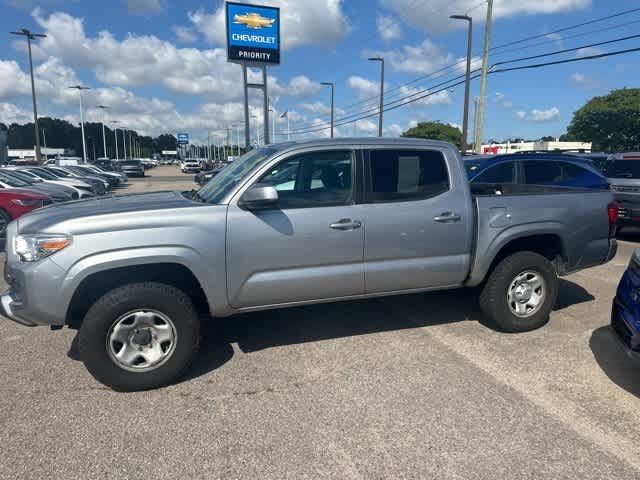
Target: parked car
{"points": [[549, 169], [56, 193], [120, 176], [107, 165], [132, 168], [115, 180], [99, 184], [244, 243], [203, 177], [625, 313], [16, 202], [82, 170], [623, 173], [72, 193], [190, 166], [84, 189]]}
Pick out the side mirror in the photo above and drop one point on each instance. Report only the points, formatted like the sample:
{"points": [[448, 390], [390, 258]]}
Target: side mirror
{"points": [[260, 197]]}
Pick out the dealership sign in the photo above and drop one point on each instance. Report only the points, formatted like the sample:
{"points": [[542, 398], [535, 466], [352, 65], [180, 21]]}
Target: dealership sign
{"points": [[183, 139], [253, 34]]}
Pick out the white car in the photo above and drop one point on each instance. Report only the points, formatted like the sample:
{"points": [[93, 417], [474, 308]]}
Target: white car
{"points": [[190, 166], [84, 189]]}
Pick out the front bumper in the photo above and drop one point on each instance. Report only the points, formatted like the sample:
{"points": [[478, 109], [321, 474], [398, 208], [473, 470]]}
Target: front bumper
{"points": [[625, 312], [33, 296]]}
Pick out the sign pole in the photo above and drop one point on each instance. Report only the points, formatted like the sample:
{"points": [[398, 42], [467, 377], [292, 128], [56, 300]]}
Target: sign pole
{"points": [[247, 131], [266, 105]]}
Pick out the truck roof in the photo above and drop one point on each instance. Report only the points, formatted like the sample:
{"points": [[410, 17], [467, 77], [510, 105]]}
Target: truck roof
{"points": [[400, 142]]}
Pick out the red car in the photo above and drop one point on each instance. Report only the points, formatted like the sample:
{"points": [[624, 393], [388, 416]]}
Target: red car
{"points": [[15, 203]]}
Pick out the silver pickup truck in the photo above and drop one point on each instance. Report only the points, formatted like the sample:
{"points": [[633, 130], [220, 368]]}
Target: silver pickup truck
{"points": [[293, 224]]}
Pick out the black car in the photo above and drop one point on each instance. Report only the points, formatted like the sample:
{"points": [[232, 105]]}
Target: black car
{"points": [[108, 165], [203, 177]]}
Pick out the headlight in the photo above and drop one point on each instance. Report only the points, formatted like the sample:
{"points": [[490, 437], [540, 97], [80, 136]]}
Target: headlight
{"points": [[31, 248]]}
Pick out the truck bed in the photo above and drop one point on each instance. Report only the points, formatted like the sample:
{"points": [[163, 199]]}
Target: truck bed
{"points": [[575, 217]]}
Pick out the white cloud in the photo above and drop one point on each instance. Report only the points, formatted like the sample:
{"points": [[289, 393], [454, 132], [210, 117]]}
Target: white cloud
{"points": [[10, 113], [319, 108], [588, 51], [442, 97], [302, 86], [388, 28], [366, 127], [540, 116], [366, 88], [304, 22], [145, 7], [428, 16], [582, 81], [13, 81], [184, 34], [556, 37], [393, 130]]}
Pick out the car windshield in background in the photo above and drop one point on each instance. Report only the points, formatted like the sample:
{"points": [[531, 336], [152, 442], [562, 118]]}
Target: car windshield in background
{"points": [[42, 173], [229, 177], [134, 163], [622, 169]]}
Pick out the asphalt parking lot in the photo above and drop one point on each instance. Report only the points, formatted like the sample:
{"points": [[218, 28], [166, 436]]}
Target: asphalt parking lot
{"points": [[402, 387]]}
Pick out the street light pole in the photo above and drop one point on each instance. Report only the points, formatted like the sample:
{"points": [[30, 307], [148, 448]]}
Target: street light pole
{"points": [[124, 142], [483, 76], [115, 137], [32, 36], [44, 139], [381, 60], [330, 84], [104, 138], [80, 88], [467, 81]]}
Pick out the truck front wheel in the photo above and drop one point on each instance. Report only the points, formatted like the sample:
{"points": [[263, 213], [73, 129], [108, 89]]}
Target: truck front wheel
{"points": [[520, 292], [139, 336]]}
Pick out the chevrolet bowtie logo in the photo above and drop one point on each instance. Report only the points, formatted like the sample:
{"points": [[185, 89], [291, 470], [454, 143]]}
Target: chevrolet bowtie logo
{"points": [[254, 21]]}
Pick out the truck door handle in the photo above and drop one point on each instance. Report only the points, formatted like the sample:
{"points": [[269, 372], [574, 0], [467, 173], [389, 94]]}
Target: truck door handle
{"points": [[346, 224], [447, 217]]}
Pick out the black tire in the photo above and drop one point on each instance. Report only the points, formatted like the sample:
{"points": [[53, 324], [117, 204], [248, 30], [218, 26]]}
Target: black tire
{"points": [[493, 297], [92, 338]]}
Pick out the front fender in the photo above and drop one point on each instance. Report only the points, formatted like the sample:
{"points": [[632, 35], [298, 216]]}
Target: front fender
{"points": [[211, 280]]}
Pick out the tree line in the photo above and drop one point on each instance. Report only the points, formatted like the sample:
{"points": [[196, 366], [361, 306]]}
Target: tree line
{"points": [[62, 134]]}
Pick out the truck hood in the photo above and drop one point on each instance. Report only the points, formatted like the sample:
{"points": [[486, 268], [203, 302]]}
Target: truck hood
{"points": [[48, 217]]}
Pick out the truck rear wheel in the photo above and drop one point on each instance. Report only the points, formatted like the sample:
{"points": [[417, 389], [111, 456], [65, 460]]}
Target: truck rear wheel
{"points": [[139, 336], [520, 292]]}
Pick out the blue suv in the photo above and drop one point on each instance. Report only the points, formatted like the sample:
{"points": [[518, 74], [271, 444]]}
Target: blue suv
{"points": [[625, 313], [554, 169]]}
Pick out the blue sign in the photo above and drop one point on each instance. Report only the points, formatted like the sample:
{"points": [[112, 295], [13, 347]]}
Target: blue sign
{"points": [[183, 139], [253, 33]]}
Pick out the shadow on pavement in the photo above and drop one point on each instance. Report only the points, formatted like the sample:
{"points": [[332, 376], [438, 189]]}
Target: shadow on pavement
{"points": [[273, 328], [613, 359], [570, 293]]}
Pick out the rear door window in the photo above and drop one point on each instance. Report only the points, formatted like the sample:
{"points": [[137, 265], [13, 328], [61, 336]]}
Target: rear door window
{"points": [[406, 175], [542, 172], [501, 173], [622, 169]]}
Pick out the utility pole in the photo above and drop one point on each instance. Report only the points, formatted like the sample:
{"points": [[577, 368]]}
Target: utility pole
{"points": [[44, 138], [330, 84], [476, 147], [124, 142], [130, 149], [115, 137], [104, 138], [467, 82], [483, 76], [32, 36], [80, 88], [381, 60]]}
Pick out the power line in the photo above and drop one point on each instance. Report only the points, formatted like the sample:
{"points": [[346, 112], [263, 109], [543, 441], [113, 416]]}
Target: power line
{"points": [[564, 29], [399, 104], [369, 102]]}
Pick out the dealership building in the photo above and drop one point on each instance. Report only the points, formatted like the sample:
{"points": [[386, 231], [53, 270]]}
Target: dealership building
{"points": [[515, 147]]}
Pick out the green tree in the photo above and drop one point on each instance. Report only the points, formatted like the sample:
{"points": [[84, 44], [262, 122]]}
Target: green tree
{"points": [[611, 122], [435, 131], [165, 142]]}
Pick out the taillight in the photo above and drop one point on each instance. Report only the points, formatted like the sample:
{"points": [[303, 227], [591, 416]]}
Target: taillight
{"points": [[612, 212]]}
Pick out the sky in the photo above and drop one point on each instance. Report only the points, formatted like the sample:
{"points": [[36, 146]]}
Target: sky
{"points": [[160, 65]]}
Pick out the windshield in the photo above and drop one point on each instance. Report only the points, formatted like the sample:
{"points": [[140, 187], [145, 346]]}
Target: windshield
{"points": [[12, 181], [58, 173], [622, 169], [42, 173], [25, 177], [135, 163], [220, 185]]}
